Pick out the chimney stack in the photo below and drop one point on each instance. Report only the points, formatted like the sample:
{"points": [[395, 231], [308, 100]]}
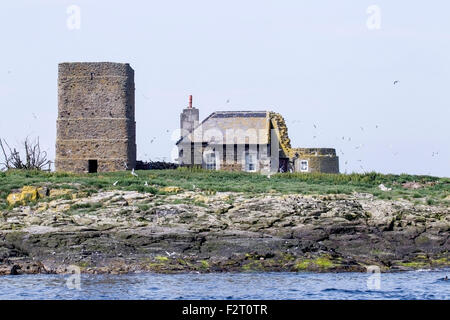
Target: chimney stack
{"points": [[189, 118]]}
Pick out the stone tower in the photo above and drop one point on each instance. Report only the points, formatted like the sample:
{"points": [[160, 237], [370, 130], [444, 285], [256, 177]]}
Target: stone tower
{"points": [[96, 128]]}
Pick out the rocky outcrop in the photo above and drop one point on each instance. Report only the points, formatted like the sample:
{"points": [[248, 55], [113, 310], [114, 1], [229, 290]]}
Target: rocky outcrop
{"points": [[128, 231]]}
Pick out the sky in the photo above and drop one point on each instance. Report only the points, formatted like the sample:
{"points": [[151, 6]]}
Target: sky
{"points": [[327, 66]]}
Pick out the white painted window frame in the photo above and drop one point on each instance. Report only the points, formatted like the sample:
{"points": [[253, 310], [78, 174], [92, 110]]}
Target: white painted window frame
{"points": [[256, 164], [301, 165], [206, 164]]}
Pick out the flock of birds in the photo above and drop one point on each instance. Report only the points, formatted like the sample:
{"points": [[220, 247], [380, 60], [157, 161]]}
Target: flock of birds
{"points": [[314, 136], [315, 126], [349, 139]]}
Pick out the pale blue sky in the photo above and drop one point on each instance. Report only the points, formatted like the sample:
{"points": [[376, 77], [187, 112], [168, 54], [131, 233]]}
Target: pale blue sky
{"points": [[315, 62]]}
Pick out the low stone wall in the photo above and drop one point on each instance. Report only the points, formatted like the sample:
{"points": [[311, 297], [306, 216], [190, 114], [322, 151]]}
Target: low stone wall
{"points": [[231, 166]]}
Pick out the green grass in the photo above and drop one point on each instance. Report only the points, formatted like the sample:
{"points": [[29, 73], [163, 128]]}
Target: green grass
{"points": [[251, 183]]}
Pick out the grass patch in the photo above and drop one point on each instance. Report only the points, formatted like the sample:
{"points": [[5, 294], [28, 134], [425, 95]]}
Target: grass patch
{"points": [[414, 264], [162, 258], [435, 192], [322, 262]]}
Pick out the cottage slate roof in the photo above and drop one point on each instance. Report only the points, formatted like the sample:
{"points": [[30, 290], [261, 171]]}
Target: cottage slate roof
{"points": [[232, 127]]}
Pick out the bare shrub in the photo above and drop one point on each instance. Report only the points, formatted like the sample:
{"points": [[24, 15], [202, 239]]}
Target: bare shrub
{"points": [[35, 158]]}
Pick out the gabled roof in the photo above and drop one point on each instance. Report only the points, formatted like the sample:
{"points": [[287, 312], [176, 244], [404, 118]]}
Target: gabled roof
{"points": [[232, 127]]}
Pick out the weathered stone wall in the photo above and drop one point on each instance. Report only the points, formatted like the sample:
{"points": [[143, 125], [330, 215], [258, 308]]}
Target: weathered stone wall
{"points": [[95, 117], [81, 165], [99, 128]]}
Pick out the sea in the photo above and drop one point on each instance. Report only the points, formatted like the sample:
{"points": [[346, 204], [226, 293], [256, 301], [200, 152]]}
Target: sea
{"points": [[411, 285]]}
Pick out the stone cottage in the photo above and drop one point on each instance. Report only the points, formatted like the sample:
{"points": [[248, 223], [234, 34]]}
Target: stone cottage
{"points": [[252, 141]]}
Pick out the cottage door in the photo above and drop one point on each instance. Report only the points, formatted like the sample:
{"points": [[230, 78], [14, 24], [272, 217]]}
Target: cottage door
{"points": [[283, 165]]}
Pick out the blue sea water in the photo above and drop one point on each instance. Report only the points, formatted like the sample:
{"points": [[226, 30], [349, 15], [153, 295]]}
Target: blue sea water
{"points": [[422, 284]]}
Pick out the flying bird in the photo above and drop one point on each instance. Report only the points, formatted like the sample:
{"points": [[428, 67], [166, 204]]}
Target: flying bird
{"points": [[228, 101], [396, 81], [145, 97]]}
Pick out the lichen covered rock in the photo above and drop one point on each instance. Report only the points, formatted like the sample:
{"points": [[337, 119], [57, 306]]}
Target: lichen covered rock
{"points": [[170, 189], [28, 193]]}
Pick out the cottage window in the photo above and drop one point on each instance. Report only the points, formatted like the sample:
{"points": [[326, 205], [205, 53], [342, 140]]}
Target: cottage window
{"points": [[250, 162], [210, 160], [304, 165]]}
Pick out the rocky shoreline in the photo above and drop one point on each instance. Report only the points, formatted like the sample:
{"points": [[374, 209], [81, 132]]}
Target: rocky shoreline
{"points": [[129, 231]]}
